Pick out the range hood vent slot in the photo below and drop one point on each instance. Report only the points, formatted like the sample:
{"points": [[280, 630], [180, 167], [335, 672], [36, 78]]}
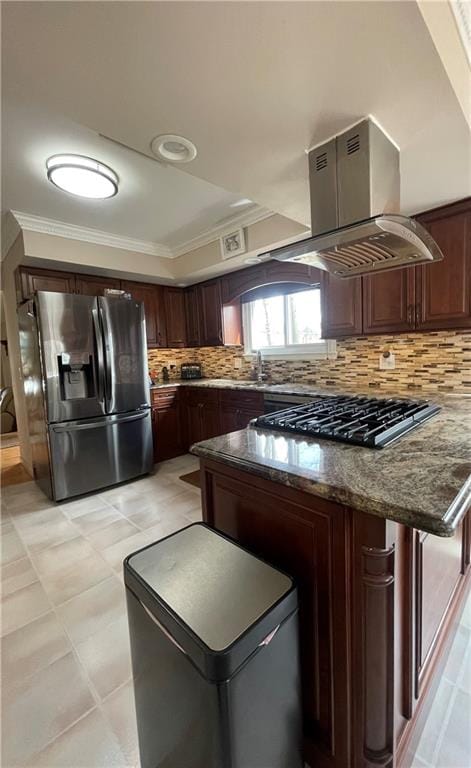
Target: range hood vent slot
{"points": [[321, 161], [353, 144]]}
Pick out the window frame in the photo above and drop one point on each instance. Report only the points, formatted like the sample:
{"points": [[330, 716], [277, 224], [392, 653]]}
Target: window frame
{"points": [[321, 350]]}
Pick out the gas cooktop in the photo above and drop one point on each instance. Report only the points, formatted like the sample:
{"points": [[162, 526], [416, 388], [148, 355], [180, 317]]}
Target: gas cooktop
{"points": [[367, 421]]}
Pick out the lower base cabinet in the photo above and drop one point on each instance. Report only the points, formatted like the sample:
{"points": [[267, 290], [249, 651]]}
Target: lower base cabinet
{"points": [[379, 603], [202, 414], [238, 408], [167, 424], [182, 416]]}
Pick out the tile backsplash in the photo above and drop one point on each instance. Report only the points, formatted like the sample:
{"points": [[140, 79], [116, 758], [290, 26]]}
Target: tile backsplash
{"points": [[434, 362]]}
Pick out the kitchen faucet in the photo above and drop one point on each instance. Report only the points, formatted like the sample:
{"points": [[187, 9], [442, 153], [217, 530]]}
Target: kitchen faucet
{"points": [[259, 366]]}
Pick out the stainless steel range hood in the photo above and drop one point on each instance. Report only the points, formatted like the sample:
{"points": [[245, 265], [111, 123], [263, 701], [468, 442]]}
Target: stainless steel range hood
{"points": [[356, 230]]}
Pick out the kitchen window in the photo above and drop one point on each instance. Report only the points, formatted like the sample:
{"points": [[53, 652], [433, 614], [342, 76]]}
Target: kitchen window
{"points": [[284, 323]]}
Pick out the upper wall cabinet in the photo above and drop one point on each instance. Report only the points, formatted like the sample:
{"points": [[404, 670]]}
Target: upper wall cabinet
{"points": [[90, 285], [340, 306], [244, 280], [30, 280], [388, 301], [432, 297], [211, 318], [174, 299], [192, 312], [153, 300], [444, 288]]}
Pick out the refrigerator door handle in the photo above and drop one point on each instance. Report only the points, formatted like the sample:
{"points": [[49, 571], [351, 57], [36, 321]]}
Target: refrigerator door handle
{"points": [[75, 426], [100, 357], [108, 372]]}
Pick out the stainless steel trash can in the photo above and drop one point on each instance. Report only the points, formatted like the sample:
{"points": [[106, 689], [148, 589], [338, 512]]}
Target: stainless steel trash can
{"points": [[214, 641]]}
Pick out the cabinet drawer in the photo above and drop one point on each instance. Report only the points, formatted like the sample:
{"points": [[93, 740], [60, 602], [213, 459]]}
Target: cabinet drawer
{"points": [[197, 395], [240, 398], [163, 396]]}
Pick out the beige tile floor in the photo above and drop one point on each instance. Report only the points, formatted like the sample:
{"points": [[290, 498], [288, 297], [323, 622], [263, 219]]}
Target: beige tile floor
{"points": [[67, 696], [67, 699]]}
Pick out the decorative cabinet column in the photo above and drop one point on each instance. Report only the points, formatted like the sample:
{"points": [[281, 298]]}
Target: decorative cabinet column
{"points": [[378, 656]]}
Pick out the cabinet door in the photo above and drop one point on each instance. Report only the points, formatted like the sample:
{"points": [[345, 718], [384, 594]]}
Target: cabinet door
{"points": [[210, 421], [192, 317], [245, 415], [229, 419], [193, 416], [175, 317], [31, 280], [211, 313], [440, 566], [151, 297], [389, 301], [340, 306], [167, 431], [90, 285], [444, 288]]}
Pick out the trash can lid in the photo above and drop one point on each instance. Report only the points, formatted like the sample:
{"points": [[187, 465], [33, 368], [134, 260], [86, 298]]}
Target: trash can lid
{"points": [[218, 589]]}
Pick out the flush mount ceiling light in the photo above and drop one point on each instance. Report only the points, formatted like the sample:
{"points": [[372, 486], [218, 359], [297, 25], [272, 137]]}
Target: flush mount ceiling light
{"points": [[173, 149], [82, 176]]}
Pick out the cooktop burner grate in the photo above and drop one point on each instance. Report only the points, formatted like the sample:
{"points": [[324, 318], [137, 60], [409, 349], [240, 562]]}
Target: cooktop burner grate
{"points": [[366, 421]]}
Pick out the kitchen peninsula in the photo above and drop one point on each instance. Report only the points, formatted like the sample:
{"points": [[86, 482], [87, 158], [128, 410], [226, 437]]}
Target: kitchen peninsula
{"points": [[379, 543]]}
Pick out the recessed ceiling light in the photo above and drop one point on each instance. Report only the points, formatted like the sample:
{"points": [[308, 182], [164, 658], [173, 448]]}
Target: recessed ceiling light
{"points": [[82, 176], [173, 149], [240, 203]]}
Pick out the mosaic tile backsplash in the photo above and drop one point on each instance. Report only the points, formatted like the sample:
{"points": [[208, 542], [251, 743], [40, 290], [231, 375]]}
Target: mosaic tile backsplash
{"points": [[433, 362]]}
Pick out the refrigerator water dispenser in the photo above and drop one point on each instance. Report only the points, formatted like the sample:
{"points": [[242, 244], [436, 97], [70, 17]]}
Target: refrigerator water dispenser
{"points": [[75, 377]]}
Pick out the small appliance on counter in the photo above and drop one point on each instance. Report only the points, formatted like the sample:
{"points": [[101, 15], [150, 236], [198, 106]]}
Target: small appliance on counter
{"points": [[191, 371]]}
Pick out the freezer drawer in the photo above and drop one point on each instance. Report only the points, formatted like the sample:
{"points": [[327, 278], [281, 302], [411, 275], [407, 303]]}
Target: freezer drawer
{"points": [[95, 453]]}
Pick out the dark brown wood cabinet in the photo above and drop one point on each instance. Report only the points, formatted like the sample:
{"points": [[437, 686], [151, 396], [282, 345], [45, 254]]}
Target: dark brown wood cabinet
{"points": [[444, 288], [237, 283], [203, 414], [341, 306], [167, 426], [152, 298], [30, 279], [375, 610], [192, 316], [174, 299], [430, 297], [210, 306], [238, 407], [389, 302], [91, 285]]}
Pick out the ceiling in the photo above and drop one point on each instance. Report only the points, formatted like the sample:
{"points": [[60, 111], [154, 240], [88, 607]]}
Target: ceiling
{"points": [[156, 203], [253, 84]]}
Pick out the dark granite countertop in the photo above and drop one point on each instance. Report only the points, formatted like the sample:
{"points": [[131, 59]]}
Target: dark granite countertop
{"points": [[423, 480]]}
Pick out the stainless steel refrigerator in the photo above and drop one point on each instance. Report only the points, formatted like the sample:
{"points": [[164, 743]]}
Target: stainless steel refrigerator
{"points": [[86, 380]]}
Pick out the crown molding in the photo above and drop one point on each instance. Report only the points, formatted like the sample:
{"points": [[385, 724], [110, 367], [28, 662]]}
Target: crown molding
{"points": [[34, 223], [243, 219]]}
